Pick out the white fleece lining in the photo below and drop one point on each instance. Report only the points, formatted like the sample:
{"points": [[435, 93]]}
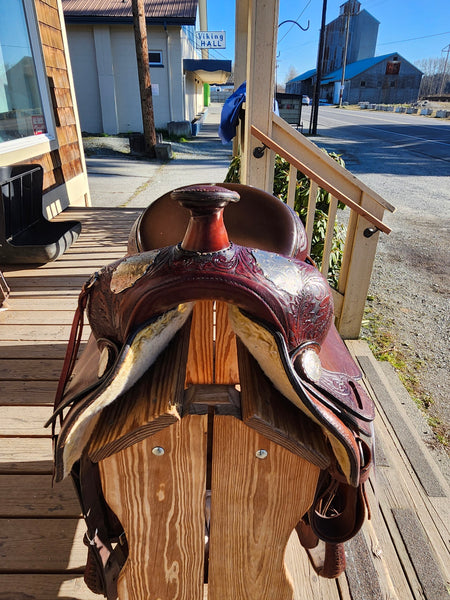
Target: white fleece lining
{"points": [[144, 350], [261, 344]]}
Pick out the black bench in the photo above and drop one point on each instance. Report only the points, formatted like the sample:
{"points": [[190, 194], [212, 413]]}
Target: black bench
{"points": [[26, 236]]}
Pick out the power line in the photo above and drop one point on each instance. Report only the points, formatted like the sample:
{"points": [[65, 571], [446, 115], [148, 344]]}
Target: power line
{"points": [[423, 37]]}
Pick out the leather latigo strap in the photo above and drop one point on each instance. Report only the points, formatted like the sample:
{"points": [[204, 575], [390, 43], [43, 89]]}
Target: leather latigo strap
{"points": [[327, 559], [105, 537]]}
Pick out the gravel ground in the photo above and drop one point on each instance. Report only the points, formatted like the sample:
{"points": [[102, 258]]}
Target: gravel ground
{"points": [[105, 145], [409, 291]]}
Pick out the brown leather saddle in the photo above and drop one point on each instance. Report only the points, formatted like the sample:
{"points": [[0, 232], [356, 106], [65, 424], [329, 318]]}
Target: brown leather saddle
{"points": [[280, 308]]}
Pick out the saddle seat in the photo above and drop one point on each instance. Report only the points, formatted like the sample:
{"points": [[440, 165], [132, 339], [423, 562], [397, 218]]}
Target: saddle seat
{"points": [[253, 256]]}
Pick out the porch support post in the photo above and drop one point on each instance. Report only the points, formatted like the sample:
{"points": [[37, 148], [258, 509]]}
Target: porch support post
{"points": [[241, 42], [261, 59], [240, 62]]}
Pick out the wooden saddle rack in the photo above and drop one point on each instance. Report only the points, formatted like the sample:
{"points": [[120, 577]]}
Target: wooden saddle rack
{"points": [[214, 409]]}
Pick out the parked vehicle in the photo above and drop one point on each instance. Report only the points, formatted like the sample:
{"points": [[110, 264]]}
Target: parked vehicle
{"points": [[306, 100]]}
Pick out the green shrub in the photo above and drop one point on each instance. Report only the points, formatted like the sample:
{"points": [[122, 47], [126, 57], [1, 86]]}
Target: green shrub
{"points": [[280, 189]]}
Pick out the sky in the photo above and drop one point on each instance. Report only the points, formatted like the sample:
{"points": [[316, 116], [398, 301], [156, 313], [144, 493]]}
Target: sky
{"points": [[415, 29]]}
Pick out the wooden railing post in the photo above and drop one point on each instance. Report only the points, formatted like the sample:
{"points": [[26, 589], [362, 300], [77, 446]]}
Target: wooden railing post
{"points": [[356, 271]]}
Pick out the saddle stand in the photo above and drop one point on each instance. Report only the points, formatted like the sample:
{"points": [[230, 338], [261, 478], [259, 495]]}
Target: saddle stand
{"points": [[215, 409]]}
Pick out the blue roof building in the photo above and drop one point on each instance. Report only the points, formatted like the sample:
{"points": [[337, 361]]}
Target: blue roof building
{"points": [[387, 79]]}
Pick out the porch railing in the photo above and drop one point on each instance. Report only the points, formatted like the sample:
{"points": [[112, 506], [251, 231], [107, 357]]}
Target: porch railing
{"points": [[364, 224]]}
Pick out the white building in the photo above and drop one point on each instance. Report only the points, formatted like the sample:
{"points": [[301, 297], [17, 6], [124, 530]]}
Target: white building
{"points": [[103, 54]]}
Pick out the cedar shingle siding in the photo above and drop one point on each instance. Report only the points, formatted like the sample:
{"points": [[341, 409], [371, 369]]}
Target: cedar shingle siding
{"points": [[64, 163]]}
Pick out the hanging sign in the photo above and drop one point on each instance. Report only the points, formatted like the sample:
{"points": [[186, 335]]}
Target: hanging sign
{"points": [[208, 40]]}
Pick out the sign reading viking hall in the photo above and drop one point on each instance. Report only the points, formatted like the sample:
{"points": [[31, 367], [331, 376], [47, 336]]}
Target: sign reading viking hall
{"points": [[207, 40]]}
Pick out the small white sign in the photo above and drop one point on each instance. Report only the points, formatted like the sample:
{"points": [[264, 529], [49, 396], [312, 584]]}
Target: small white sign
{"points": [[208, 40], [155, 89]]}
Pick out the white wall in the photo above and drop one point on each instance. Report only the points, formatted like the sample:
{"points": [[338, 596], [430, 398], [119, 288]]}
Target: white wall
{"points": [[106, 80], [126, 79], [84, 68], [193, 87]]}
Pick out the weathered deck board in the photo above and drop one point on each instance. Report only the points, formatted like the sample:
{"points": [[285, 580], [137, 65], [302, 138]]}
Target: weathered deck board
{"points": [[42, 545], [28, 422], [45, 304], [37, 332], [27, 392], [49, 586], [42, 555], [25, 455], [34, 496], [44, 317], [36, 369], [17, 349]]}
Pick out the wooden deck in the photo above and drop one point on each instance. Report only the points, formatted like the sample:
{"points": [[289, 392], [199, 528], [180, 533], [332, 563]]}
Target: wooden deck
{"points": [[402, 552]]}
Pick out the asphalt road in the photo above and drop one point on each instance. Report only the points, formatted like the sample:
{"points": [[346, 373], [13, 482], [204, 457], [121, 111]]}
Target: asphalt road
{"points": [[425, 136], [405, 158]]}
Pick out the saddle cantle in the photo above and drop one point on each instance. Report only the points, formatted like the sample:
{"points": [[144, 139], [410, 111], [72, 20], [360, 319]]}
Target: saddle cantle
{"points": [[280, 307]]}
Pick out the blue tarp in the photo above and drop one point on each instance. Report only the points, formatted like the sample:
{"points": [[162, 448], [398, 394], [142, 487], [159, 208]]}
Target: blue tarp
{"points": [[230, 114]]}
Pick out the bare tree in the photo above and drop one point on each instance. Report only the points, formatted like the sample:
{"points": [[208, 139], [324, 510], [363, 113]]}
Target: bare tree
{"points": [[291, 73], [433, 76]]}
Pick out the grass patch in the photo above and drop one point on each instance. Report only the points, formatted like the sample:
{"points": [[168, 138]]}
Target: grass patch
{"points": [[377, 332]]}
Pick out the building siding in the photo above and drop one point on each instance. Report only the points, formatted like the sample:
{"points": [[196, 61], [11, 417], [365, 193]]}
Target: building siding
{"points": [[82, 50], [106, 77], [65, 162], [376, 86], [363, 32]]}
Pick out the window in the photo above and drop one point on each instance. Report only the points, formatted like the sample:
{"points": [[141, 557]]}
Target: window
{"points": [[155, 58], [363, 84], [392, 67], [23, 114]]}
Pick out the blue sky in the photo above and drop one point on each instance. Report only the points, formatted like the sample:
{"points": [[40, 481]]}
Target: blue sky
{"points": [[413, 28]]}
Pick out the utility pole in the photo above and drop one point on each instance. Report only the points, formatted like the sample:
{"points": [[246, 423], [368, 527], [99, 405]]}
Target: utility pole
{"points": [[447, 49], [145, 86], [349, 13], [315, 102]]}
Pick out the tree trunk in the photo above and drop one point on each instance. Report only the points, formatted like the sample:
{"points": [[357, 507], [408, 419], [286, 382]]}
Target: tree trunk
{"points": [[145, 87]]}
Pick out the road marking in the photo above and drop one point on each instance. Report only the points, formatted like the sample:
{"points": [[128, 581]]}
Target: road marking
{"points": [[406, 135], [388, 131]]}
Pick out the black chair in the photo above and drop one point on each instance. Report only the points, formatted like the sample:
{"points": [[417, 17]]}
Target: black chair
{"points": [[26, 236]]}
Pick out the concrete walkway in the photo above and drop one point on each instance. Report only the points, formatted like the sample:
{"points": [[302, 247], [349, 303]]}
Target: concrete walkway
{"points": [[118, 179]]}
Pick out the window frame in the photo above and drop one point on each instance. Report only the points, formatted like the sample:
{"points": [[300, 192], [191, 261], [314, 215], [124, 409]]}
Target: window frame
{"points": [[159, 64], [48, 138]]}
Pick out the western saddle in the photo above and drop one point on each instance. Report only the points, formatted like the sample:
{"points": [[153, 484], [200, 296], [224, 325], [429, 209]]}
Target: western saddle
{"points": [[214, 409]]}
